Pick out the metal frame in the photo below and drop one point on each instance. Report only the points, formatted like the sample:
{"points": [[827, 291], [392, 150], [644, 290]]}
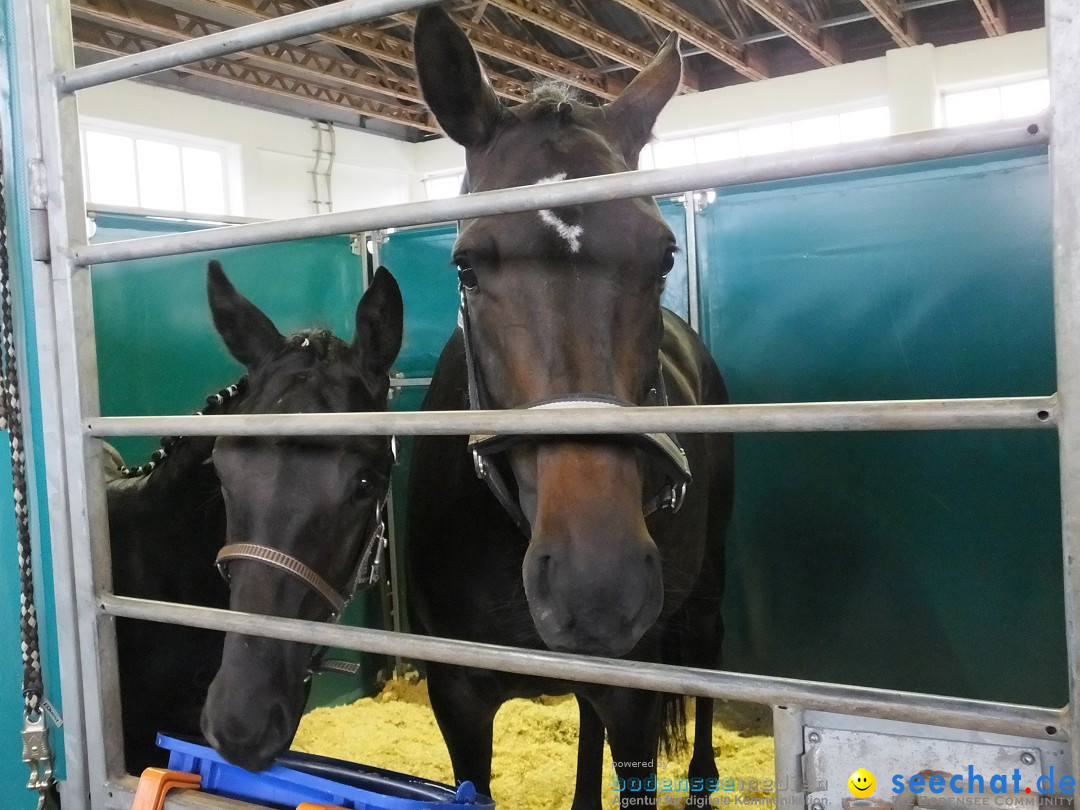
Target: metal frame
{"points": [[86, 607]]}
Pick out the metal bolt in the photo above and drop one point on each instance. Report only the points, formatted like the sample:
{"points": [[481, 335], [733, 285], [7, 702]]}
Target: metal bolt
{"points": [[814, 737], [1027, 758], [817, 806]]}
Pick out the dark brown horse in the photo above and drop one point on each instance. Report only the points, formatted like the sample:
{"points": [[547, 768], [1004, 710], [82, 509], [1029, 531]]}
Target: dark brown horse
{"points": [[582, 546], [311, 505]]}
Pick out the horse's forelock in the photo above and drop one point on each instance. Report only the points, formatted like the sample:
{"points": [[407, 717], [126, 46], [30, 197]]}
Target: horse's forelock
{"points": [[548, 95]]}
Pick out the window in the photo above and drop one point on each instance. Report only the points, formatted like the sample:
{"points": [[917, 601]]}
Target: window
{"points": [[443, 186], [804, 133], [140, 169], [1014, 100]]}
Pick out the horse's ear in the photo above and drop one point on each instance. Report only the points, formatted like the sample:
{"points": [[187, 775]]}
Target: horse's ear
{"points": [[634, 112], [248, 334], [451, 79], [379, 319]]}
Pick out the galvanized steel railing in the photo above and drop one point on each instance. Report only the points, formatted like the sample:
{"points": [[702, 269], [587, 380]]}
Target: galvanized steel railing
{"points": [[85, 605]]}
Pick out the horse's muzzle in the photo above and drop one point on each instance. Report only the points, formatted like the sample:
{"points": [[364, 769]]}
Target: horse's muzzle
{"points": [[251, 741], [598, 602]]}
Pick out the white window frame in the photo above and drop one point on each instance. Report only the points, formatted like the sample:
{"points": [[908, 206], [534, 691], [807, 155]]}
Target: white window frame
{"points": [[229, 151], [445, 174], [997, 84], [740, 127]]}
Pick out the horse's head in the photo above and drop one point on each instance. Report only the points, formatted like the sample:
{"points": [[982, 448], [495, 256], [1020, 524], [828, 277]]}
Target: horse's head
{"points": [[313, 500], [560, 303]]}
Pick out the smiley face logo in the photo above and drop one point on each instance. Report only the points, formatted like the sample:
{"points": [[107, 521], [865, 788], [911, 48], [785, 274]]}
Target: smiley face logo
{"points": [[861, 783]]}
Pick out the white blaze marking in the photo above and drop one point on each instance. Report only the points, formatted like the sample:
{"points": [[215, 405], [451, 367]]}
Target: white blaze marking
{"points": [[570, 233]]}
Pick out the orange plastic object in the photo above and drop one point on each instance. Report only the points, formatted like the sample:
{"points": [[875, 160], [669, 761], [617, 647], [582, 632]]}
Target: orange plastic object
{"points": [[156, 782], [311, 806]]}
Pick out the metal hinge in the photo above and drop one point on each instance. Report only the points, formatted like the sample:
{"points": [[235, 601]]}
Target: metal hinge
{"points": [[38, 191]]}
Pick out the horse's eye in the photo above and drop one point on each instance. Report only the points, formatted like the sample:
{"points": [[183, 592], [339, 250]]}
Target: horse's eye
{"points": [[668, 262], [365, 487], [465, 272], [467, 278]]}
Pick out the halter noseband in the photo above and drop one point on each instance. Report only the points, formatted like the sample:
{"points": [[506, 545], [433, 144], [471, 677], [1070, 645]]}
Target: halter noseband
{"points": [[367, 572], [664, 447]]}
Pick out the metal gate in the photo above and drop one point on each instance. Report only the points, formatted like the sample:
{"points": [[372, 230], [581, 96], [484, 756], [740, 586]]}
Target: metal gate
{"points": [[86, 607]]}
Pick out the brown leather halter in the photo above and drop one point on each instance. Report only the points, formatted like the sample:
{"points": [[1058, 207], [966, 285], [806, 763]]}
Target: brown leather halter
{"points": [[367, 572]]}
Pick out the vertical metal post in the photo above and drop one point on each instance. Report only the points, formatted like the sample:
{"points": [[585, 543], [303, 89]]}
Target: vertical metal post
{"points": [[77, 364], [75, 786], [1063, 24], [377, 240], [397, 625], [690, 199], [790, 789]]}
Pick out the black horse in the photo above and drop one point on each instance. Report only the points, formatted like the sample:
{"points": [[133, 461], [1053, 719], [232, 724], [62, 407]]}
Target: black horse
{"points": [[252, 506], [582, 547]]}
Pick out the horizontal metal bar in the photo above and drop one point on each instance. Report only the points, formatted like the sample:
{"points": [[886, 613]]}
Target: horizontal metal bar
{"points": [[291, 26], [914, 414], [935, 710], [96, 210], [898, 149]]}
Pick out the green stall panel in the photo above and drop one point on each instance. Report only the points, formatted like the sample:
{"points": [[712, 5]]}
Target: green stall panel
{"points": [[923, 561], [158, 352], [13, 772], [419, 258]]}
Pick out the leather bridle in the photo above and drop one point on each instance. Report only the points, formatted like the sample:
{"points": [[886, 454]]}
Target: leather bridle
{"points": [[367, 572], [663, 447]]}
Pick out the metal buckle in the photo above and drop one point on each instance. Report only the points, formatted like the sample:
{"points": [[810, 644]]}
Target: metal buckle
{"points": [[479, 464], [676, 494], [376, 564]]}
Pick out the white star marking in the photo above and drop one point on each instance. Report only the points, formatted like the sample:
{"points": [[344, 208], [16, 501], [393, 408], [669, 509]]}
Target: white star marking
{"points": [[570, 233]]}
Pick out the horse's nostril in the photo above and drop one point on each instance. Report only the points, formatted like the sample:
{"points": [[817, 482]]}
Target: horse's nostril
{"points": [[279, 720], [542, 569], [236, 732]]}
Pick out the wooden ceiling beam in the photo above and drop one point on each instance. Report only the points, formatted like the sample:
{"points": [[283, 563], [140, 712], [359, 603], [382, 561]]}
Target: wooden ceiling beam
{"points": [[822, 46], [367, 40], [901, 28], [552, 17], [492, 42], [175, 26], [992, 14], [697, 31], [117, 42], [735, 16]]}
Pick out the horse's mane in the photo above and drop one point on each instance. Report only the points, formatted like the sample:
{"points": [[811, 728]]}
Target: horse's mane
{"points": [[215, 403]]}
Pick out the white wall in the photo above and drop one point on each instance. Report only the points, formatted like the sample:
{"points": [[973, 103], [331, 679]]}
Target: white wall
{"points": [[276, 151]]}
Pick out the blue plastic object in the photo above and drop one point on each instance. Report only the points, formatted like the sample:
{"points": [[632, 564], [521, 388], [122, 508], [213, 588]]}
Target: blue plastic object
{"points": [[296, 778]]}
